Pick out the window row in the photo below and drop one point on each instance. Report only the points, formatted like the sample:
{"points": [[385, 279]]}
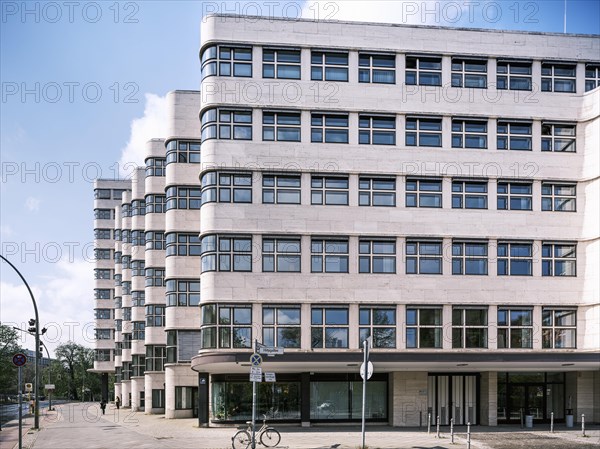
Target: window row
{"points": [[380, 68], [230, 326], [379, 255], [380, 129], [226, 187]]}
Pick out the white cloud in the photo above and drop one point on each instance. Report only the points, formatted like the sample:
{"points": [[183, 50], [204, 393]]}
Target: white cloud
{"points": [[32, 204], [64, 300], [6, 231], [420, 12], [152, 125]]}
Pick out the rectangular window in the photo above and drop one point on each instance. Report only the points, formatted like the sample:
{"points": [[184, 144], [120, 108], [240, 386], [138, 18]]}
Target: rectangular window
{"points": [[329, 327], [514, 136], [515, 259], [230, 61], [470, 258], [559, 259], [182, 293], [102, 194], [469, 328], [592, 76], [469, 134], [377, 256], [224, 253], [514, 195], [102, 234], [104, 214], [183, 398], [155, 358], [469, 73], [329, 190], [559, 328], [102, 254], [378, 69], [328, 66], [155, 204], [423, 327], [281, 327], [380, 323], [559, 197], [155, 277], [226, 124], [281, 255], [226, 187], [182, 244], [329, 128], [423, 193], [103, 334], [158, 398], [102, 355], [226, 326], [515, 328], [154, 240], [423, 132], [469, 195], [155, 315], [558, 137], [423, 257], [281, 64], [155, 166], [103, 293], [558, 77], [183, 198], [513, 75], [185, 151], [377, 192], [281, 126], [138, 365], [329, 256], [376, 130], [424, 70], [103, 314], [281, 189], [102, 273]]}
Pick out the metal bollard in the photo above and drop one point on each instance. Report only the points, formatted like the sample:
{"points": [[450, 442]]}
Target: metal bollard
{"points": [[583, 424], [521, 414], [551, 422], [469, 435], [452, 430], [437, 426], [428, 423]]}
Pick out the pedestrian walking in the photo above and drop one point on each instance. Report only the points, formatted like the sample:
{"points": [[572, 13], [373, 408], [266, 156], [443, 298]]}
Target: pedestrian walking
{"points": [[118, 402], [103, 406]]}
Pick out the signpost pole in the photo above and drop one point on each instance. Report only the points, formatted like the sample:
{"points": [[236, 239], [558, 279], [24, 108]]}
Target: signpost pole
{"points": [[364, 392], [254, 403], [20, 412]]}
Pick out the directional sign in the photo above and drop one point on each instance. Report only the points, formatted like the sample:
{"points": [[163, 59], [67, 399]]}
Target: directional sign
{"points": [[19, 359], [50, 387], [255, 359], [255, 377], [270, 377], [256, 370], [369, 370], [270, 351]]}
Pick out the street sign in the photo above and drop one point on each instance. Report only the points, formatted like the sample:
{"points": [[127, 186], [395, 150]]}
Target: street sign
{"points": [[270, 351], [50, 387], [19, 359], [255, 377], [256, 370], [255, 359], [270, 377], [28, 388], [369, 370]]}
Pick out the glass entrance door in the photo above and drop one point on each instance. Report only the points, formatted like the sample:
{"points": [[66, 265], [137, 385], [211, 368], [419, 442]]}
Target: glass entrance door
{"points": [[453, 397]]}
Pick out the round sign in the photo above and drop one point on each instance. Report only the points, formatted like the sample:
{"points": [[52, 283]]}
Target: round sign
{"points": [[255, 359], [19, 359], [369, 370]]}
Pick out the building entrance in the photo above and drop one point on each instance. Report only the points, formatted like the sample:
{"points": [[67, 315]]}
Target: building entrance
{"points": [[453, 396]]}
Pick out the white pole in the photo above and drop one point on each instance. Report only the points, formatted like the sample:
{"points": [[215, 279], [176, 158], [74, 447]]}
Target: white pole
{"points": [[565, 18], [254, 405], [364, 392]]}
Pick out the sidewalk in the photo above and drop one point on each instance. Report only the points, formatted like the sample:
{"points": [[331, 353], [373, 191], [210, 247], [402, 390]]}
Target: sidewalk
{"points": [[76, 425]]}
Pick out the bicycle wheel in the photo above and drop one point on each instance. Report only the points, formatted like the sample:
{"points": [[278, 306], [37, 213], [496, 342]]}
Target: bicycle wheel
{"points": [[270, 437], [241, 440]]}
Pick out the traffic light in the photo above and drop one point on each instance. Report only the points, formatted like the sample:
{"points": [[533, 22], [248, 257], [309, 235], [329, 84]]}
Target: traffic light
{"points": [[32, 327], [41, 351]]}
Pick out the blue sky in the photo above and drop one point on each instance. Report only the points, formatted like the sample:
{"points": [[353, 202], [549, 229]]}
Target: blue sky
{"points": [[75, 79]]}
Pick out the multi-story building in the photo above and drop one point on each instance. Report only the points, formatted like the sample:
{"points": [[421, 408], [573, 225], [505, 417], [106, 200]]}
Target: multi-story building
{"points": [[435, 189]]}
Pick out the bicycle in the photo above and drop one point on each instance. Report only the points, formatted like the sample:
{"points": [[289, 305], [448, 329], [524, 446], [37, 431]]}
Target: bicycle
{"points": [[267, 436]]}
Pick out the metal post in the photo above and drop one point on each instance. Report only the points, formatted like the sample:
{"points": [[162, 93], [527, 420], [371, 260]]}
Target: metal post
{"points": [[437, 426], [428, 423], [452, 430], [364, 392], [551, 422], [36, 416], [254, 405], [521, 415], [468, 435], [20, 412], [583, 424]]}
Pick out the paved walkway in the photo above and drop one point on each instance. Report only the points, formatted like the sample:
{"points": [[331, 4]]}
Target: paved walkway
{"points": [[76, 425]]}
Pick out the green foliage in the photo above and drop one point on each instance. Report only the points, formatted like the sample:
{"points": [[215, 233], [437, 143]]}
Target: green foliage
{"points": [[9, 346], [69, 372]]}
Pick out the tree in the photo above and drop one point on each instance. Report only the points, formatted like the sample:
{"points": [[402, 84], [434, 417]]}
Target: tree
{"points": [[9, 346], [70, 371]]}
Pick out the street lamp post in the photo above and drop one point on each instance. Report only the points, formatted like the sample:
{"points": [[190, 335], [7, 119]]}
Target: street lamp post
{"points": [[36, 413]]}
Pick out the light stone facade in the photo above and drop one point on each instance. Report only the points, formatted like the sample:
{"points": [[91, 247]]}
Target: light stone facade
{"points": [[482, 383]]}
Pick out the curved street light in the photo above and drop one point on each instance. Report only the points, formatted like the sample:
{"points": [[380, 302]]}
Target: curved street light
{"points": [[36, 416]]}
